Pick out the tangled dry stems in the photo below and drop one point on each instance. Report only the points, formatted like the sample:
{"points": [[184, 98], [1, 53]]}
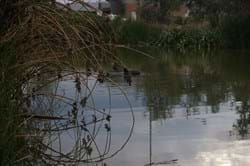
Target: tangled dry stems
{"points": [[51, 42]]}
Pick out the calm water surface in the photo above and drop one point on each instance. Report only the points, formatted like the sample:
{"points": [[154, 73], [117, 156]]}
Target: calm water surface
{"points": [[189, 110]]}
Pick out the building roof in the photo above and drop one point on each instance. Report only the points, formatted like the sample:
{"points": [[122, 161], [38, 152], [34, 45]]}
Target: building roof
{"points": [[76, 6]]}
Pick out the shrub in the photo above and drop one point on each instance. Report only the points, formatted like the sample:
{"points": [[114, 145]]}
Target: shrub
{"points": [[235, 31]]}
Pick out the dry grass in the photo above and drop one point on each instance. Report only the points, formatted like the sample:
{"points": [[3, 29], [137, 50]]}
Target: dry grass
{"points": [[47, 44]]}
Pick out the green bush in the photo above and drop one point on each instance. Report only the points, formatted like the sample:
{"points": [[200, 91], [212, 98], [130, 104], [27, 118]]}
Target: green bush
{"points": [[9, 144], [137, 32], [235, 31]]}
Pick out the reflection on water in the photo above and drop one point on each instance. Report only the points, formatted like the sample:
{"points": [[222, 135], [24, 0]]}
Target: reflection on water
{"points": [[189, 109], [197, 108]]}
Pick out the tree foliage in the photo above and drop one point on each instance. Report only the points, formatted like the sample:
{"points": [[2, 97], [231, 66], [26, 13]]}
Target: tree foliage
{"points": [[219, 7], [157, 10]]}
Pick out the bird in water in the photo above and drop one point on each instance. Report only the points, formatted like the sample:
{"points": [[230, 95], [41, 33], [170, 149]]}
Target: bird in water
{"points": [[127, 76], [118, 68]]}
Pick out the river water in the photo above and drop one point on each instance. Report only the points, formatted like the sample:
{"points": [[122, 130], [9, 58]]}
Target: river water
{"points": [[188, 109]]}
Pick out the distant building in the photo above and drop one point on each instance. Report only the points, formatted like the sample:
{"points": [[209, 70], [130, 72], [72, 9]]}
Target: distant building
{"points": [[103, 6]]}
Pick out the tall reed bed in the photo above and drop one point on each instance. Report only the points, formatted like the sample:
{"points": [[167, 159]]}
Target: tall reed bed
{"points": [[139, 33]]}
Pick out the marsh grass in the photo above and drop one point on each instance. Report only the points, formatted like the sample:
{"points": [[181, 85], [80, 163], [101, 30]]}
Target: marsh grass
{"points": [[38, 41]]}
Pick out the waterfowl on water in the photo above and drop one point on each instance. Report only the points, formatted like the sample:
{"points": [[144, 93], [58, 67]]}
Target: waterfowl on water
{"points": [[135, 72], [118, 68], [131, 72]]}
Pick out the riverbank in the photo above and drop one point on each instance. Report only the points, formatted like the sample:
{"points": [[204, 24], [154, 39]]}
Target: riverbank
{"points": [[231, 32]]}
